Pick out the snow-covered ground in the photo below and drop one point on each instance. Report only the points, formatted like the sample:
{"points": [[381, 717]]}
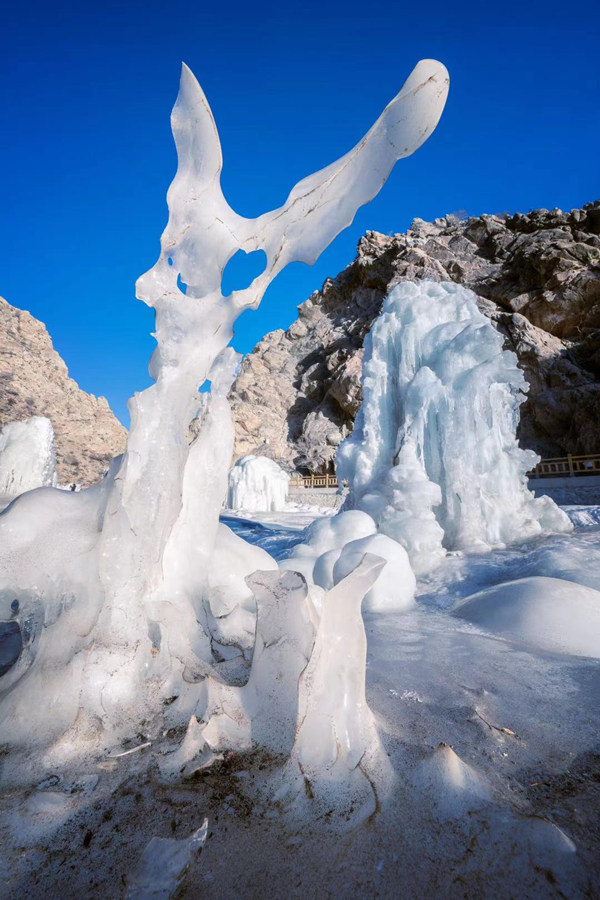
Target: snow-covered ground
{"points": [[494, 786]]}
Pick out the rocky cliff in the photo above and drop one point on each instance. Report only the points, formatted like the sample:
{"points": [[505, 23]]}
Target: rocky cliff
{"points": [[34, 381], [538, 279]]}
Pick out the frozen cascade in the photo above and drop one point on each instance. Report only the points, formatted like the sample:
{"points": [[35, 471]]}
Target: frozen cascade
{"points": [[27, 456], [257, 484], [433, 457]]}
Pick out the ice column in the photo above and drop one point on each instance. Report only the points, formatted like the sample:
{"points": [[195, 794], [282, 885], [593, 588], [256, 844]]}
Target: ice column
{"points": [[433, 457]]}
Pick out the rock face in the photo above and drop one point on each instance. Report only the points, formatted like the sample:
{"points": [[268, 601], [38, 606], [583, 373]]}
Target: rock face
{"points": [[34, 381], [538, 279]]}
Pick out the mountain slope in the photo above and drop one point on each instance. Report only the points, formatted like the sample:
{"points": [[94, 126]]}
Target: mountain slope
{"points": [[538, 279], [34, 381]]}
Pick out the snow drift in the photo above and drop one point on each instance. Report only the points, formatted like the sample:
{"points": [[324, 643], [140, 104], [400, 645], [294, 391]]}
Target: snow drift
{"points": [[547, 613]]}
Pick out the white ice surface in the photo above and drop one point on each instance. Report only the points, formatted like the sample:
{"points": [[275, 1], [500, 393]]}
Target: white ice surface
{"points": [[548, 613], [493, 742]]}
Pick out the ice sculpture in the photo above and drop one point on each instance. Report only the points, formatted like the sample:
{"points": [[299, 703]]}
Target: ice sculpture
{"points": [[194, 324], [125, 622], [257, 484], [305, 697], [333, 708], [336, 766], [433, 457], [27, 456]]}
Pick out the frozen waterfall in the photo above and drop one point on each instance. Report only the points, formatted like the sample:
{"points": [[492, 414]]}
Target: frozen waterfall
{"points": [[433, 457]]}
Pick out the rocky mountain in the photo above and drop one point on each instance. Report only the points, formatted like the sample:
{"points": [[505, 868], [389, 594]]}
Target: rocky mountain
{"points": [[538, 279], [34, 381]]}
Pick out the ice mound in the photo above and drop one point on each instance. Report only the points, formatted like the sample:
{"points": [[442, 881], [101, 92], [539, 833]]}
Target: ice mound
{"points": [[547, 613], [257, 484], [335, 546], [27, 456], [433, 457], [453, 786]]}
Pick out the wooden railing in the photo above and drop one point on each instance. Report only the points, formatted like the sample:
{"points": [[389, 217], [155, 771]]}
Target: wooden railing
{"points": [[314, 481], [567, 466], [556, 467]]}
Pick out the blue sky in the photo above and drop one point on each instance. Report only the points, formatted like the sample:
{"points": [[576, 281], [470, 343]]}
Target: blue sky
{"points": [[87, 153]]}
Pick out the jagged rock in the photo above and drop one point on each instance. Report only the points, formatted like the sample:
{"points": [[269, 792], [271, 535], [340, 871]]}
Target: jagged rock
{"points": [[538, 278], [34, 381]]}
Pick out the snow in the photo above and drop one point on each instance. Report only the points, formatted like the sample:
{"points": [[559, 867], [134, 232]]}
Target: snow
{"points": [[491, 744], [433, 456], [257, 484], [27, 456], [584, 516], [548, 613]]}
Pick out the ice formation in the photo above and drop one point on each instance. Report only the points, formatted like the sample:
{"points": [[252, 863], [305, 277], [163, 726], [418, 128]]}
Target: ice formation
{"points": [[163, 866], [305, 696], [121, 616], [334, 547], [547, 613], [450, 784], [433, 457], [257, 484], [337, 740], [27, 456]]}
